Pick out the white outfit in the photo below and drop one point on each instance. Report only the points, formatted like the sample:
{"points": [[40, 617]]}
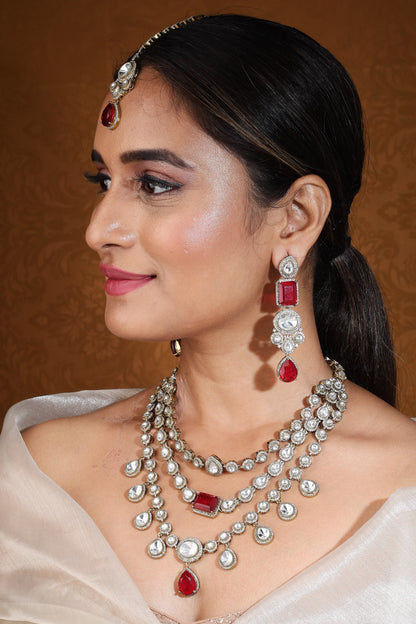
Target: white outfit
{"points": [[56, 567]]}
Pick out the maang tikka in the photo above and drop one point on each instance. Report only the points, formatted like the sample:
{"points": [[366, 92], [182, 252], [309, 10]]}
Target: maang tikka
{"points": [[287, 333], [127, 74]]}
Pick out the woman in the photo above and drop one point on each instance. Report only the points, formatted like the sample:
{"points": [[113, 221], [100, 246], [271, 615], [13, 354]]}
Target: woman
{"points": [[228, 153]]}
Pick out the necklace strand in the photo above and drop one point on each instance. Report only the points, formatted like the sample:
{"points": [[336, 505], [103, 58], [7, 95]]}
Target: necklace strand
{"points": [[325, 406]]}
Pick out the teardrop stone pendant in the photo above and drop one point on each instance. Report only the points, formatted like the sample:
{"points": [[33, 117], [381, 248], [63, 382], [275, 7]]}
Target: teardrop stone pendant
{"points": [[287, 370], [188, 583]]}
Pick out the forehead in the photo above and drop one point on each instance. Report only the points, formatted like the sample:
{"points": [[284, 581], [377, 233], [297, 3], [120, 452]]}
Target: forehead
{"points": [[151, 116]]}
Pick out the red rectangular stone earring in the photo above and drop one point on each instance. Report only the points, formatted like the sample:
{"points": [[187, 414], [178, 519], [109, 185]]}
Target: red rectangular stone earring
{"points": [[287, 333]]}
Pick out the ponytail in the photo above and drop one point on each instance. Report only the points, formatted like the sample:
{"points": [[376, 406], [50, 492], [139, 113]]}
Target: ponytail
{"points": [[352, 322]]}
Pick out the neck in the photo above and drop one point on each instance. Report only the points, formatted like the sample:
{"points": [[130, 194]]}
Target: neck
{"points": [[230, 385]]}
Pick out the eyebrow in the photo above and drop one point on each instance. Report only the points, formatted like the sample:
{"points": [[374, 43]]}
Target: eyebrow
{"points": [[159, 155]]}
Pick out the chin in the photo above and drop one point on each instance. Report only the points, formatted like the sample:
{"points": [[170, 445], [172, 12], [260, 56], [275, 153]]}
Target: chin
{"points": [[140, 327]]}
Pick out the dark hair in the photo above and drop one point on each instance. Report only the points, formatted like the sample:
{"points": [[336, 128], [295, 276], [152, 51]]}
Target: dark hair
{"points": [[286, 107]]}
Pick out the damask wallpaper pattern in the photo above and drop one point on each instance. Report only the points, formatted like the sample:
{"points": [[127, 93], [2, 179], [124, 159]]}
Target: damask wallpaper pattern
{"points": [[57, 60]]}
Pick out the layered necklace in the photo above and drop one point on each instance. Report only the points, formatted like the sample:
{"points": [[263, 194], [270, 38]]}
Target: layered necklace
{"points": [[161, 439]]}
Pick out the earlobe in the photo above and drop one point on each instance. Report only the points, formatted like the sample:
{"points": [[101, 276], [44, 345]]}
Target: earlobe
{"points": [[306, 207]]}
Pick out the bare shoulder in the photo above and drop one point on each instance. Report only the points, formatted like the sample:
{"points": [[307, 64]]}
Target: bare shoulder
{"points": [[382, 438], [64, 446]]}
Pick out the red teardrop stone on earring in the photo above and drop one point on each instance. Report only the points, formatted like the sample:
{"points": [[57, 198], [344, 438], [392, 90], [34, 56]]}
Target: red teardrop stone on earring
{"points": [[287, 370], [188, 583], [108, 115]]}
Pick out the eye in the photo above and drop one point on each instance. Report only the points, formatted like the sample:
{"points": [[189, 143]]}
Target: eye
{"points": [[102, 179], [155, 186]]}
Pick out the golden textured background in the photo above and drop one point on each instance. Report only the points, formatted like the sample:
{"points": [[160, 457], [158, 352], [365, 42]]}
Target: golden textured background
{"points": [[57, 60]]}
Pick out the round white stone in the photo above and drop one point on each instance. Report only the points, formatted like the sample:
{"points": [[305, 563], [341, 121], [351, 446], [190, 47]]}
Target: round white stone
{"points": [[261, 457], [211, 546], [165, 527], [305, 461], [287, 511], [273, 446], [273, 496], [238, 527], [311, 424], [251, 517], [247, 464], [188, 494], [263, 506], [299, 338], [287, 320], [231, 466], [321, 435], [172, 540], [179, 481], [161, 515], [172, 467], [284, 484], [295, 472], [313, 400], [166, 452], [152, 477], [161, 436], [314, 448], [189, 549], [224, 537]]}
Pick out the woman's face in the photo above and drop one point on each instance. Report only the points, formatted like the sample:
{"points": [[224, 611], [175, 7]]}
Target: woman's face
{"points": [[173, 211]]}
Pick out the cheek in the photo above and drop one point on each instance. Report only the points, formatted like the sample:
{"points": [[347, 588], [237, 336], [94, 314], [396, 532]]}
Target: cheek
{"points": [[207, 231]]}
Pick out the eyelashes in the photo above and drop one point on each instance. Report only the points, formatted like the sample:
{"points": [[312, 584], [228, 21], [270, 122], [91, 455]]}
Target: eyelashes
{"points": [[147, 184], [101, 179]]}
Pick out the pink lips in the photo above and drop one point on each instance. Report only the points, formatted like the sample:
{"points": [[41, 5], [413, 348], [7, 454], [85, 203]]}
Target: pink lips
{"points": [[122, 282]]}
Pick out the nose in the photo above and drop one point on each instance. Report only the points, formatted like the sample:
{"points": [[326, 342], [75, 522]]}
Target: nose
{"points": [[108, 227]]}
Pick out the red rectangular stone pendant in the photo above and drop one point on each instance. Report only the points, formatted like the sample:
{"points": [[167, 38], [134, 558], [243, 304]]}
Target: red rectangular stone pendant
{"points": [[206, 504], [287, 292]]}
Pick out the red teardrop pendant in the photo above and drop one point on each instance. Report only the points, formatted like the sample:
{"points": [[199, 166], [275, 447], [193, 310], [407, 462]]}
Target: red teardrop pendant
{"points": [[110, 116], [287, 370], [188, 583]]}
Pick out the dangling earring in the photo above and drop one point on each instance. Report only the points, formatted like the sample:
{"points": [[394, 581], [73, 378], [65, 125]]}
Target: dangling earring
{"points": [[175, 346], [287, 333]]}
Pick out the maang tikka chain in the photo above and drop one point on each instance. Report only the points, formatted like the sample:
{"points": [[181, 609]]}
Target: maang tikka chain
{"points": [[127, 74], [287, 333]]}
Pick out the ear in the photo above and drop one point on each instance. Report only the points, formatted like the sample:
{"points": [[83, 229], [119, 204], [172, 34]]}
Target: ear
{"points": [[304, 210]]}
